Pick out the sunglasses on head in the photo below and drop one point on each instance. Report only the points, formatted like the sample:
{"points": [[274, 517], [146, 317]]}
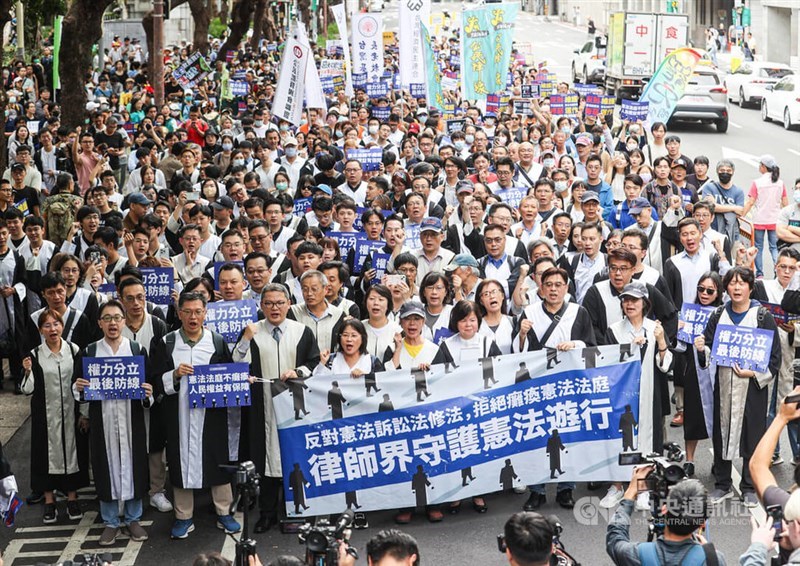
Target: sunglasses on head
{"points": [[706, 290]]}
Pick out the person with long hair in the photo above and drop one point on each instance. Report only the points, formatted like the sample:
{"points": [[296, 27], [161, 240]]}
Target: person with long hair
{"points": [[768, 195], [435, 292]]}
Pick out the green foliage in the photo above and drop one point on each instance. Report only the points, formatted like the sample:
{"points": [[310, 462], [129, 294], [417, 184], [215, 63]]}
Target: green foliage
{"points": [[216, 28]]}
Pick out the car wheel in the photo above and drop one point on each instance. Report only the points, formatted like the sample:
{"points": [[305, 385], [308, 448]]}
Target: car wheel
{"points": [[764, 115], [787, 119], [722, 126], [585, 75], [574, 76], [742, 101]]}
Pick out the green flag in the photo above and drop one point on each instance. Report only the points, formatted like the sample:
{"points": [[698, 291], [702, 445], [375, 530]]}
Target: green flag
{"points": [[433, 72], [486, 36]]}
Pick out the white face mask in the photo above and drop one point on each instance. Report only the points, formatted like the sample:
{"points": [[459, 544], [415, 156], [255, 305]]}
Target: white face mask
{"points": [[549, 163], [561, 186], [373, 130]]}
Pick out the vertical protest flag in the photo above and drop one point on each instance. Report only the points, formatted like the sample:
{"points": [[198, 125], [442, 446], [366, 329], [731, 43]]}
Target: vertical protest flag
{"points": [[433, 74], [486, 36], [288, 102], [315, 95], [413, 13], [57, 51], [668, 84], [341, 22], [368, 45]]}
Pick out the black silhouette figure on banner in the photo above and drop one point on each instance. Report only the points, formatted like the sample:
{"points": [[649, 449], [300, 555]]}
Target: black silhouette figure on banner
{"points": [[590, 357], [627, 424], [552, 357], [507, 476], [488, 372], [554, 448], [625, 352], [466, 473], [351, 500], [419, 483], [386, 405], [336, 401], [370, 382], [298, 485], [296, 387], [522, 373], [420, 383]]}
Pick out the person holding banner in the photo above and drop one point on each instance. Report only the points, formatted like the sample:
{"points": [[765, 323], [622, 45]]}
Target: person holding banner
{"points": [[351, 356], [142, 327], [60, 456], [740, 395], [196, 436], [278, 350], [117, 433]]}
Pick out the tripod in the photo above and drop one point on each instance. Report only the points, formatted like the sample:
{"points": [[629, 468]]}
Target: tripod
{"points": [[247, 486]]}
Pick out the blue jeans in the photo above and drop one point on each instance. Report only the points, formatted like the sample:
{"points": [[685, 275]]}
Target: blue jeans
{"points": [[772, 237], [109, 510], [539, 488]]}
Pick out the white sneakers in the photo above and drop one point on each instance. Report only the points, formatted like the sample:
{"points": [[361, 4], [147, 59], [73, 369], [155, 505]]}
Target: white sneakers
{"points": [[160, 502], [643, 501], [612, 498]]}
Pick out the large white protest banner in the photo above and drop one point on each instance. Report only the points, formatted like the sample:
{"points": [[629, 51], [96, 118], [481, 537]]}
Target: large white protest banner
{"points": [[341, 22], [412, 12], [288, 102], [368, 45], [315, 96]]}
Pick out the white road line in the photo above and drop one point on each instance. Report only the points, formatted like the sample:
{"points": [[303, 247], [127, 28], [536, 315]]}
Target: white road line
{"points": [[793, 151], [735, 125], [229, 547]]}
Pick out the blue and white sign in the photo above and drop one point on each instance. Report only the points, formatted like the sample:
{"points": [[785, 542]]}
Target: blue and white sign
{"points": [[302, 206], [359, 80], [502, 422], [529, 90], [364, 247], [158, 284], [377, 89], [217, 386], [381, 112], [511, 196], [749, 347], [230, 317], [380, 262], [780, 315], [694, 318], [583, 89], [634, 110], [417, 90], [239, 88], [346, 240], [114, 378], [370, 158]]}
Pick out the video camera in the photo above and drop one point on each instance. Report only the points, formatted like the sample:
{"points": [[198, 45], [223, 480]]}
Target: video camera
{"points": [[322, 539], [667, 469], [85, 560], [246, 483], [560, 556]]}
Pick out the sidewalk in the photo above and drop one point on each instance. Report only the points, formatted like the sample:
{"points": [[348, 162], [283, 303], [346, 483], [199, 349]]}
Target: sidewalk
{"points": [[14, 411]]}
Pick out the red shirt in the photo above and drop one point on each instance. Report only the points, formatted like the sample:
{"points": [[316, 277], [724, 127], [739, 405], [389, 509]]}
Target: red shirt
{"points": [[196, 131]]}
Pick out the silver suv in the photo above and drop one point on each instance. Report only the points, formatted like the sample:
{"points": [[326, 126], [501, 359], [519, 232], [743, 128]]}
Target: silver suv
{"points": [[705, 100]]}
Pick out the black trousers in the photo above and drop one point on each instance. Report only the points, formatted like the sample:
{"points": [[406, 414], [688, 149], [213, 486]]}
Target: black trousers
{"points": [[269, 496]]}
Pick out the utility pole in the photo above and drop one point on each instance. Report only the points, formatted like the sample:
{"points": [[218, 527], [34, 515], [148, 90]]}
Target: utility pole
{"points": [[158, 52], [20, 31]]}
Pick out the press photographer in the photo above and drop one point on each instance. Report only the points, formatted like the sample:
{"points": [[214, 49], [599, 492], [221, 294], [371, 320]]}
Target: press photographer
{"points": [[527, 540], [685, 510], [390, 547]]}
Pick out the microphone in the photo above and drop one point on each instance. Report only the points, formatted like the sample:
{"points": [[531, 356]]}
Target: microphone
{"points": [[343, 522]]}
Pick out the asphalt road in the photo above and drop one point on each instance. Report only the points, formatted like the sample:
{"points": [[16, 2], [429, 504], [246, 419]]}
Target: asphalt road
{"points": [[466, 538]]}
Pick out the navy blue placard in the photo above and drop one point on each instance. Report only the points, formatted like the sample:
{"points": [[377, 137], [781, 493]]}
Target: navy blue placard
{"points": [[158, 284], [346, 240], [633, 110], [114, 378], [230, 317], [380, 262], [694, 318], [219, 385], [370, 158], [749, 347], [364, 247]]}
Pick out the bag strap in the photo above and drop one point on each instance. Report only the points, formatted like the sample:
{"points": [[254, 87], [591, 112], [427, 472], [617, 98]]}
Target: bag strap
{"points": [[647, 554], [711, 554], [554, 323]]}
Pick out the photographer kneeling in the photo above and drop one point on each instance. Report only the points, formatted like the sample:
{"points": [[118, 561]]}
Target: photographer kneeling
{"points": [[684, 510]]}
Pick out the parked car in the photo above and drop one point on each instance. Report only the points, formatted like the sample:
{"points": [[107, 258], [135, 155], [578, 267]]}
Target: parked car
{"points": [[705, 100], [589, 62], [747, 84], [782, 102]]}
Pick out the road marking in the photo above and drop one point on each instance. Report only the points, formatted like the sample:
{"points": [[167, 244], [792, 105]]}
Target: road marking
{"points": [[749, 158], [793, 151], [229, 547], [734, 124]]}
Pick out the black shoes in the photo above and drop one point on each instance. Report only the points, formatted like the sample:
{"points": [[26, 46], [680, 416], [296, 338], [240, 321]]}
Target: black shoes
{"points": [[34, 498], [564, 498], [535, 501], [265, 523]]}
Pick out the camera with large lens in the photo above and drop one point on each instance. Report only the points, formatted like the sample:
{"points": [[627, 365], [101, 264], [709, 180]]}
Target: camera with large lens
{"points": [[85, 560], [322, 539], [246, 483]]}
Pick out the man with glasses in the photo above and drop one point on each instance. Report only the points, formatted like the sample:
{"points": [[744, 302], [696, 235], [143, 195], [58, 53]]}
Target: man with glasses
{"points": [[354, 186], [703, 212], [498, 264], [257, 272], [528, 170], [772, 291], [196, 437], [559, 326], [142, 327], [119, 448], [190, 263], [504, 168], [281, 353], [636, 242], [432, 257], [602, 298], [315, 312]]}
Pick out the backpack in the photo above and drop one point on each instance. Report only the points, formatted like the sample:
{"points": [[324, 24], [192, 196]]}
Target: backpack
{"points": [[697, 555], [59, 214]]}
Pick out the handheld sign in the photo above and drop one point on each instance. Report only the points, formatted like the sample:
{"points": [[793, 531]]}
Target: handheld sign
{"points": [[301, 206], [239, 88], [218, 386], [694, 318], [417, 90], [346, 240], [158, 284], [230, 317], [363, 249], [530, 91], [634, 110], [749, 347], [779, 314], [370, 158], [380, 262], [456, 125], [114, 378]]}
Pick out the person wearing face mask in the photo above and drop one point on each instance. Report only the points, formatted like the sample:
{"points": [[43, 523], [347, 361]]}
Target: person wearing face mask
{"points": [[548, 161], [259, 127], [294, 165], [223, 158], [728, 199]]}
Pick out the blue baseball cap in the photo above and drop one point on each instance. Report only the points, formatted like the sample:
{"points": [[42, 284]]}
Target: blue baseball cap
{"points": [[430, 223], [639, 204]]}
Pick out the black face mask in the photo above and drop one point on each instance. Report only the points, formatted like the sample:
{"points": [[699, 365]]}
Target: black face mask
{"points": [[725, 178]]}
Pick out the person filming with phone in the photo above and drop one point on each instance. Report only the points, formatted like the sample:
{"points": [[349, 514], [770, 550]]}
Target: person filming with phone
{"points": [[685, 511]]}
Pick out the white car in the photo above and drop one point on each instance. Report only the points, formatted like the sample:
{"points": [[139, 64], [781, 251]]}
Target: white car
{"points": [[747, 84], [589, 62], [782, 102]]}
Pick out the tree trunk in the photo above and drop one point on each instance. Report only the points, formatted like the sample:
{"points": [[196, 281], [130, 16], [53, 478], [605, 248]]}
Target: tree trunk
{"points": [[202, 21], [225, 9], [259, 18], [304, 9], [270, 28], [241, 14], [147, 24], [81, 29], [5, 17]]}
